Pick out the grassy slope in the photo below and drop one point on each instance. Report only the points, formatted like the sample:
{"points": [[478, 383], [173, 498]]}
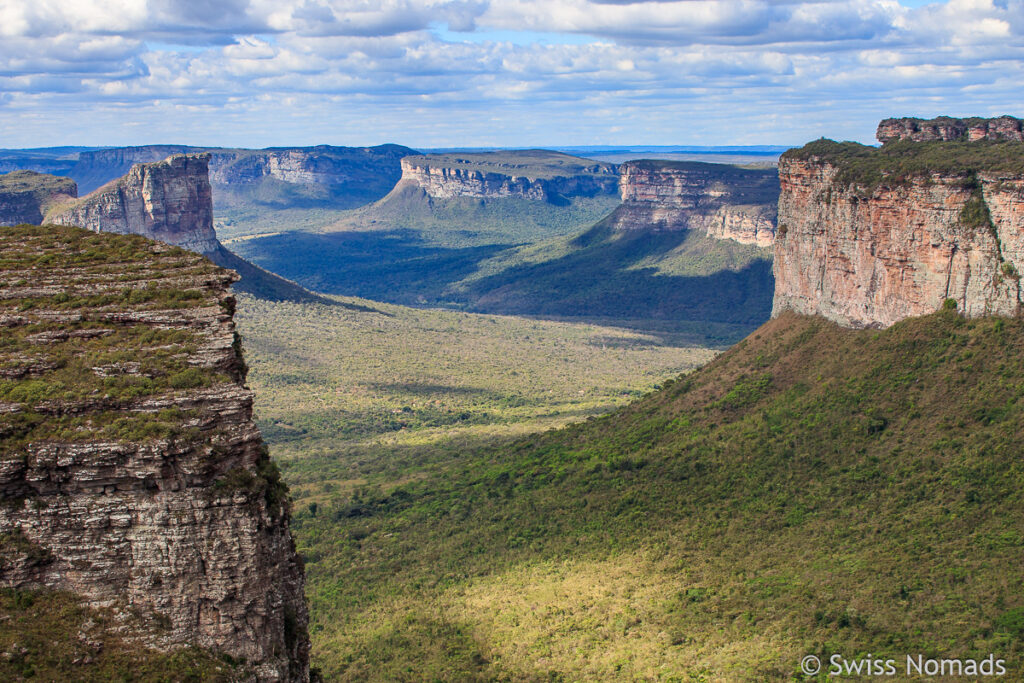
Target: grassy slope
{"points": [[813, 490], [50, 636]]}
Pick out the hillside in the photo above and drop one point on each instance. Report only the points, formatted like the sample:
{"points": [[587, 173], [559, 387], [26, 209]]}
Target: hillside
{"points": [[811, 491], [26, 196]]}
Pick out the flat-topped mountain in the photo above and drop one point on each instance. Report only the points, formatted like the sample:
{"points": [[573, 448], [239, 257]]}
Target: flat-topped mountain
{"points": [[722, 201], [131, 471], [534, 174], [25, 196], [868, 236]]}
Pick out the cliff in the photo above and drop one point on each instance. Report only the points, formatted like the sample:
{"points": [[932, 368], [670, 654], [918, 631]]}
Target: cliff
{"points": [[945, 128], [870, 236], [532, 174], [25, 196], [168, 200], [725, 202], [131, 472]]}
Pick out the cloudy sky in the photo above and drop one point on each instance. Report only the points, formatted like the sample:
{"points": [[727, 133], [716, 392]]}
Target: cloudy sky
{"points": [[430, 73]]}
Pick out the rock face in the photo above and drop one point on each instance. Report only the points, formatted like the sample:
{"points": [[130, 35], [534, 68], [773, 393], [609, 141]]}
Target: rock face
{"points": [[168, 200], [532, 174], [26, 195], [870, 255], [948, 129], [131, 472], [722, 201]]}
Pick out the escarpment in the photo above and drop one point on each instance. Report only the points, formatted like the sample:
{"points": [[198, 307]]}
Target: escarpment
{"points": [[725, 202], [131, 472], [946, 129], [532, 174], [25, 196], [167, 200], [870, 236]]}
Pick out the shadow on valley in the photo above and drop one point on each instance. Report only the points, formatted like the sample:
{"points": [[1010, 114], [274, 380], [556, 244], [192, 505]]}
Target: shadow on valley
{"points": [[661, 282], [396, 266]]}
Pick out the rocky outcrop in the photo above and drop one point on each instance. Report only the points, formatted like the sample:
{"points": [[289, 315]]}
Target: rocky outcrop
{"points": [[26, 195], [947, 129], [725, 202], [168, 200], [131, 472], [533, 174], [867, 254]]}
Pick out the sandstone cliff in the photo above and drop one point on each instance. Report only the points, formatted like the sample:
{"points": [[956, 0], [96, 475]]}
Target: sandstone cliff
{"points": [[532, 174], [25, 196], [948, 129], [131, 472], [168, 200], [722, 201], [870, 236]]}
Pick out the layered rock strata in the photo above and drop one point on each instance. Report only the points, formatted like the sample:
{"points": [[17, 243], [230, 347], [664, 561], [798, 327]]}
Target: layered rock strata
{"points": [[725, 202], [535, 174], [870, 254], [947, 129], [131, 472], [25, 196], [167, 200]]}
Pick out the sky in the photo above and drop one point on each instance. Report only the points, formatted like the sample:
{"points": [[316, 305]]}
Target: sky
{"points": [[502, 73]]}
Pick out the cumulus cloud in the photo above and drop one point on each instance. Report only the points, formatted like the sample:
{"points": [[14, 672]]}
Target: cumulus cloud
{"points": [[570, 67]]}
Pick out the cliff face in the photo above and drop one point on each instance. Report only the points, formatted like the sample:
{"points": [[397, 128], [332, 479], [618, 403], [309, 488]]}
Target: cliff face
{"points": [[870, 255], [168, 200], [948, 129], [26, 195], [130, 469], [722, 201], [534, 174]]}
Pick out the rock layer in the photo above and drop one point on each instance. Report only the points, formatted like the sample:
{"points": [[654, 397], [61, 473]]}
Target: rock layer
{"points": [[26, 195], [947, 129], [130, 469], [533, 174], [870, 256], [722, 201], [168, 200]]}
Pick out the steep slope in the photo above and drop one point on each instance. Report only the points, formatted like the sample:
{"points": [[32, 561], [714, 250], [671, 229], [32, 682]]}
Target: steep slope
{"points": [[811, 491], [948, 129], [870, 236], [25, 196], [131, 470], [722, 201]]}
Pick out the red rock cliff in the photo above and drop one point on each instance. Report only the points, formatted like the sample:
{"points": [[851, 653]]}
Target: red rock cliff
{"points": [[867, 254], [947, 129]]}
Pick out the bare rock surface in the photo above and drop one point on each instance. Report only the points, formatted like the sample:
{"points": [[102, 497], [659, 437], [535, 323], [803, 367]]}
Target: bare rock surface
{"points": [[947, 129], [725, 202]]}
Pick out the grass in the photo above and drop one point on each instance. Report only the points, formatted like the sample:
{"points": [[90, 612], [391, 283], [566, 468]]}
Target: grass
{"points": [[902, 161], [812, 490]]}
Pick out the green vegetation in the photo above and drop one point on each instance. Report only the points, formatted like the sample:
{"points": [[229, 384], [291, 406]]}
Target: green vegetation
{"points": [[51, 636], [81, 353], [812, 490], [899, 162], [535, 164]]}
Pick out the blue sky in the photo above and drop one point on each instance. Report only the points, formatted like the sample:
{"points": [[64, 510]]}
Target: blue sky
{"points": [[453, 73]]}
